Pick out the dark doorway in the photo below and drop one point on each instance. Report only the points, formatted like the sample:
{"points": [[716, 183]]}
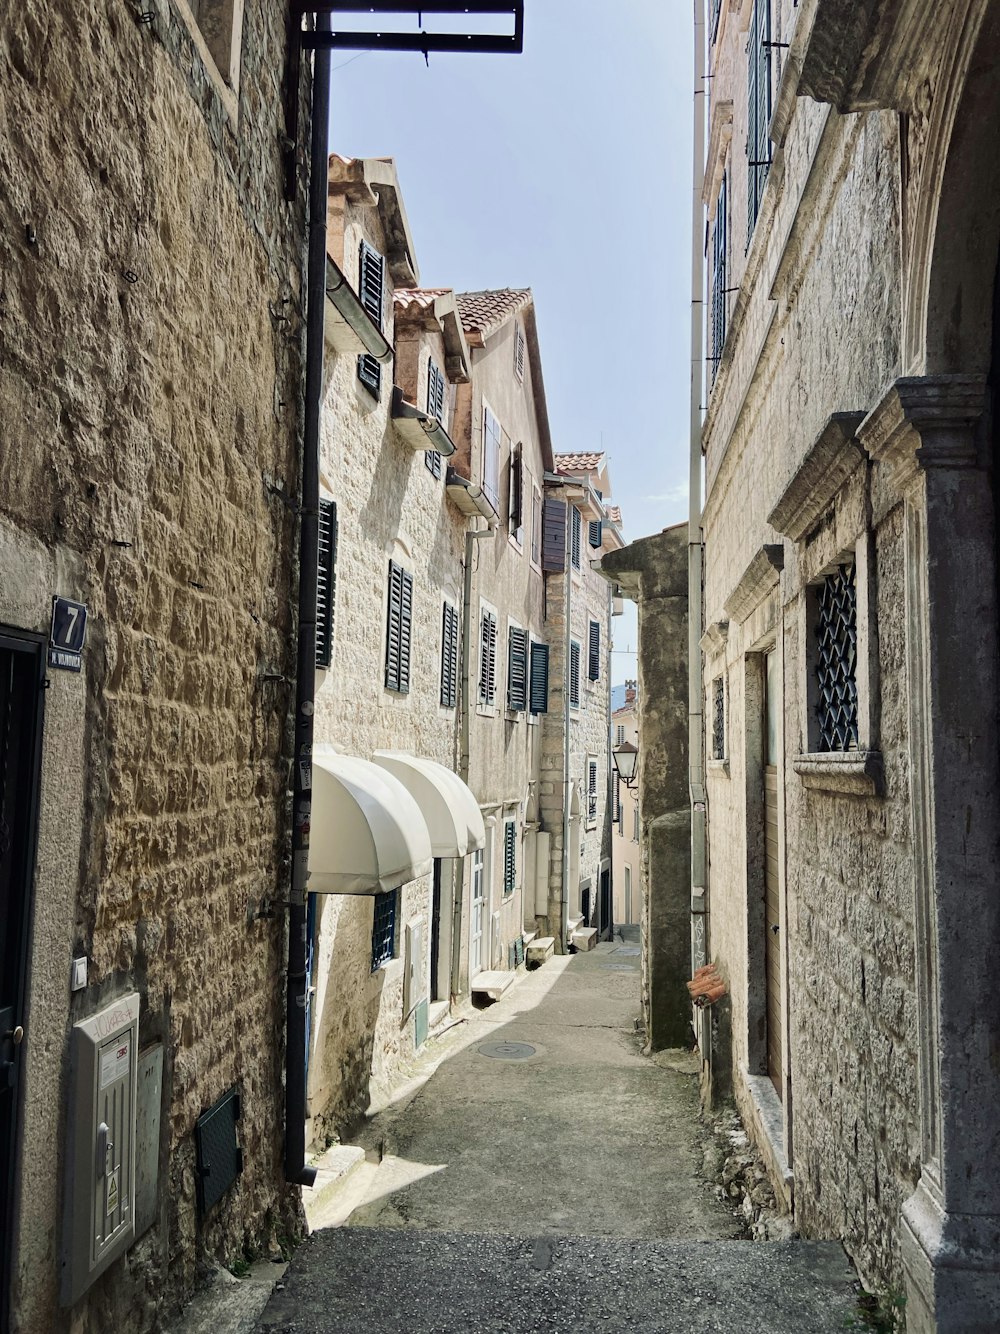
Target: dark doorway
{"points": [[436, 932], [21, 677], [607, 918], [772, 908]]}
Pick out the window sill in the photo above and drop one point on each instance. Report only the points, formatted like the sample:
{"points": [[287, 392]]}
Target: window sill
{"points": [[719, 767], [856, 772], [514, 715], [486, 710]]}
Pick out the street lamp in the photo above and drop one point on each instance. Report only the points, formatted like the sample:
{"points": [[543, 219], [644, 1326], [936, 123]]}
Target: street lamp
{"points": [[626, 757]]}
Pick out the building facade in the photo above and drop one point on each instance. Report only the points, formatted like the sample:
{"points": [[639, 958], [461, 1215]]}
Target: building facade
{"points": [[850, 622], [150, 383], [625, 865]]}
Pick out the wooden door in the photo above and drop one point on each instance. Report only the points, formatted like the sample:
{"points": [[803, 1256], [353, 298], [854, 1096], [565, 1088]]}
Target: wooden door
{"points": [[772, 912], [479, 926]]}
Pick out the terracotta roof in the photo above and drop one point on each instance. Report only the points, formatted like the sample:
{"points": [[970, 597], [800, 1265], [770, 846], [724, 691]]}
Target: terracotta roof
{"points": [[484, 312], [579, 462], [615, 514], [424, 297]]}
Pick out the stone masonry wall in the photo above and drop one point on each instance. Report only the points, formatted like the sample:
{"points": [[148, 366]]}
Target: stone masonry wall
{"points": [[150, 401]]}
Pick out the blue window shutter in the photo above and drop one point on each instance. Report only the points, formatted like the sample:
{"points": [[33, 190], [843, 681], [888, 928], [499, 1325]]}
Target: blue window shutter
{"points": [[594, 651], [539, 677], [326, 582], [554, 535], [574, 675]]}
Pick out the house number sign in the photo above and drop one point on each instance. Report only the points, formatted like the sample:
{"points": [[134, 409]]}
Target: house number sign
{"points": [[69, 627]]}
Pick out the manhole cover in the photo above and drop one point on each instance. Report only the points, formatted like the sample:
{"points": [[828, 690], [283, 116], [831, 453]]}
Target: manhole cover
{"points": [[507, 1051]]}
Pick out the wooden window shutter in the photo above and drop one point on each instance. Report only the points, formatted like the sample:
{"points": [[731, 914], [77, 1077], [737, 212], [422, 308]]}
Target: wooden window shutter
{"points": [[399, 629], [576, 538], [595, 532], [554, 535], [326, 582], [516, 487], [449, 656], [594, 651], [371, 291], [405, 632], [518, 352], [491, 458], [517, 670], [509, 857], [539, 677], [574, 675], [488, 658]]}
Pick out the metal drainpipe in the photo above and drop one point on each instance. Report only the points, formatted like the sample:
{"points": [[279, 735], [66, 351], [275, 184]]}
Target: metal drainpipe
{"points": [[696, 768], [296, 1170], [567, 823], [609, 798], [472, 536]]}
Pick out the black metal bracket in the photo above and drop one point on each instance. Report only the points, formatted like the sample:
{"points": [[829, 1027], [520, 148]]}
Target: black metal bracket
{"points": [[307, 38]]}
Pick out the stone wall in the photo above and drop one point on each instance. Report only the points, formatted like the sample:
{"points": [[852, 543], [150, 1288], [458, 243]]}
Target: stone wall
{"points": [[150, 396]]}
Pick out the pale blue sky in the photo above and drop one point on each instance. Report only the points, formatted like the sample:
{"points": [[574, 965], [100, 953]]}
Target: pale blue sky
{"points": [[568, 170]]}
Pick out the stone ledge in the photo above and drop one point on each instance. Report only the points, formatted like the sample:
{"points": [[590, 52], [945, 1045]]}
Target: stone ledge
{"points": [[830, 461], [714, 638], [856, 772], [719, 767], [759, 577], [770, 1117]]}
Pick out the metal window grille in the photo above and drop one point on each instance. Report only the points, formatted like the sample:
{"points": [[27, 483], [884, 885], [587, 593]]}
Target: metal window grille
{"points": [[719, 718], [384, 929], [836, 660], [758, 109], [720, 250]]}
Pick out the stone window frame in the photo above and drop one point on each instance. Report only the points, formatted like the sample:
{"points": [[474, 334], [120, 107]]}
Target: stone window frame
{"points": [[222, 63]]}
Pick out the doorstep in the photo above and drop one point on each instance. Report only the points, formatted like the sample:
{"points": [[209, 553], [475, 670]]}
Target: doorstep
{"points": [[492, 984]]}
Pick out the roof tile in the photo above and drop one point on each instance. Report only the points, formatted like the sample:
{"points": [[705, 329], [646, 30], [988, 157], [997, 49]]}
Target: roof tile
{"points": [[485, 312], [579, 462]]}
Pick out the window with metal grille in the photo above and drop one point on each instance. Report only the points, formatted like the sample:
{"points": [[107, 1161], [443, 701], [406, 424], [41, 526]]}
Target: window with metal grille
{"points": [[449, 656], [836, 646], [720, 282], [539, 688], [509, 857], [436, 408], [371, 291], [595, 532], [517, 669], [326, 582], [591, 791], [491, 457], [594, 651], [575, 539], [384, 928], [574, 674], [518, 352], [758, 109], [399, 629], [517, 494], [719, 718], [488, 658]]}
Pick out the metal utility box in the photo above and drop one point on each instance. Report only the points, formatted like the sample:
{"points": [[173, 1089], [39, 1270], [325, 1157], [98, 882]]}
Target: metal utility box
{"points": [[100, 1126]]}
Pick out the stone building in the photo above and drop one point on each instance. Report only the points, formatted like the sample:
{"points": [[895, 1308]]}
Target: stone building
{"points": [[149, 385], [850, 646], [625, 869]]}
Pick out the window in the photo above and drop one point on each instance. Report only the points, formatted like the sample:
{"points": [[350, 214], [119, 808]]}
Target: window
{"points": [[594, 651], [517, 669], [836, 654], [516, 507], [539, 685], [509, 857], [518, 352], [719, 718], [435, 408], [488, 658], [371, 290], [554, 535], [449, 656], [595, 533], [220, 24], [536, 526], [575, 539], [616, 801], [491, 457], [619, 734], [628, 894], [758, 109], [719, 276], [384, 928], [574, 674], [635, 824], [399, 622], [326, 582], [591, 791]]}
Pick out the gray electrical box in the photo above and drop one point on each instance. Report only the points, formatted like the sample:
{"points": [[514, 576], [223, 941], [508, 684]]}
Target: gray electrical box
{"points": [[100, 1178]]}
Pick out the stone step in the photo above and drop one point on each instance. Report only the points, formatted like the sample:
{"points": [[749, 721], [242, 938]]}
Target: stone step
{"points": [[539, 950], [492, 983], [349, 1280], [335, 1169], [585, 938]]}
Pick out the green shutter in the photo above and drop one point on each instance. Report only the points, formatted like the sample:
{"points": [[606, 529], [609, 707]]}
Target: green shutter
{"points": [[371, 292], [594, 651], [488, 658], [576, 539], [326, 581], [399, 629], [449, 656], [539, 677], [517, 670], [509, 857], [595, 532], [574, 675]]}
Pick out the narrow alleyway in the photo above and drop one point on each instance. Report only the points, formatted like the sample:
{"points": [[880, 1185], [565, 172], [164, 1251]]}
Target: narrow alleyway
{"points": [[541, 1173]]}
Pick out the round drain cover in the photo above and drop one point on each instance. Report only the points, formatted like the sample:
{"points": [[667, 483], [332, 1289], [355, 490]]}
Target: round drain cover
{"points": [[507, 1051]]}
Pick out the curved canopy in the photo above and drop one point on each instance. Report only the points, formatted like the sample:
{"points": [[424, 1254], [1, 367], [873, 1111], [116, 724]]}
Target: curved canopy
{"points": [[448, 806], [368, 834]]}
